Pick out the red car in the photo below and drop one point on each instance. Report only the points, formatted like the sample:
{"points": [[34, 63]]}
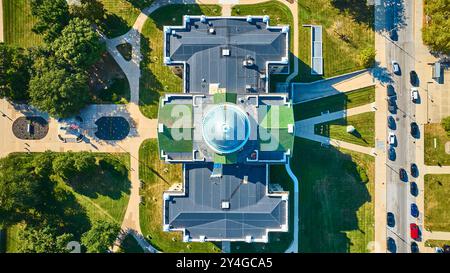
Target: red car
{"points": [[414, 231]]}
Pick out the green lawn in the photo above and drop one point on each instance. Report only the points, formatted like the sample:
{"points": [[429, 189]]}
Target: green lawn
{"points": [[339, 102], [158, 177], [18, 22], [336, 206], [436, 243], [340, 55], [437, 207], [278, 241], [436, 156], [120, 17], [156, 77], [337, 129], [105, 197]]}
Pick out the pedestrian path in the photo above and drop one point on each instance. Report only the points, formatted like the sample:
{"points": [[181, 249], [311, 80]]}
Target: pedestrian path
{"points": [[437, 169], [435, 235], [2, 37]]}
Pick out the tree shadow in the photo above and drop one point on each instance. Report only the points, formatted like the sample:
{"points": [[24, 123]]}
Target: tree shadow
{"points": [[108, 178], [358, 9], [331, 193], [114, 25], [140, 4], [389, 16]]}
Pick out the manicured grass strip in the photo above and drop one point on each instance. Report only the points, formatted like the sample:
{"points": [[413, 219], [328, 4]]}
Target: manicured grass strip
{"points": [[436, 156], [436, 243], [336, 198], [158, 177], [18, 22], [156, 77], [437, 207], [337, 129], [339, 102], [344, 36]]}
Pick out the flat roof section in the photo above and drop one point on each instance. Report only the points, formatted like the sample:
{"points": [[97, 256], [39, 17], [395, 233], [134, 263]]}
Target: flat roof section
{"points": [[214, 52], [235, 207]]}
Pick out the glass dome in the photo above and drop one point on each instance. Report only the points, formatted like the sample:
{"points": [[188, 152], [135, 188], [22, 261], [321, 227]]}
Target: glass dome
{"points": [[226, 128]]}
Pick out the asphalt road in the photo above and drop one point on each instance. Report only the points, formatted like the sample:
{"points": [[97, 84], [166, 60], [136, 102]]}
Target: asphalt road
{"points": [[401, 49]]}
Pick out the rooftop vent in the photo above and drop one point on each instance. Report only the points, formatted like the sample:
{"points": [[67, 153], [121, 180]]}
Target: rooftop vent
{"points": [[212, 31], [225, 205], [225, 52]]}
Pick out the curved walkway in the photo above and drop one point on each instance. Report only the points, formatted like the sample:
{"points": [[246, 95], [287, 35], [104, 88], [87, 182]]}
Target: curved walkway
{"points": [[293, 248]]}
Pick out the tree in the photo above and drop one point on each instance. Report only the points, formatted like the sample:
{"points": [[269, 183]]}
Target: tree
{"points": [[79, 45], [14, 73], [52, 15], [446, 124], [100, 237], [70, 165], [367, 57], [435, 32], [57, 90], [92, 10], [43, 240], [24, 191]]}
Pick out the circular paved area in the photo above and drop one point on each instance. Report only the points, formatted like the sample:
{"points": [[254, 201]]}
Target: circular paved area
{"points": [[112, 128], [30, 128]]}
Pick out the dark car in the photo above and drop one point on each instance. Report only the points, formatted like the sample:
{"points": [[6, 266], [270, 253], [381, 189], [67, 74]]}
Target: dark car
{"points": [[403, 175], [391, 245], [391, 123], [391, 154], [414, 129], [390, 219], [390, 90], [413, 189], [393, 34], [392, 107], [414, 247], [414, 231], [414, 170], [413, 78], [414, 210]]}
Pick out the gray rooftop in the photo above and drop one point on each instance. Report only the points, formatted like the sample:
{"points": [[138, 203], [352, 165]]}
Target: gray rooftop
{"points": [[206, 64], [252, 212]]}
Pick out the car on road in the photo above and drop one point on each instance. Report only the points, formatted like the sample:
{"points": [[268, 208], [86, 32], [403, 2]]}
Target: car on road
{"points": [[391, 246], [390, 219], [414, 170], [393, 34], [414, 129], [414, 247], [392, 139], [403, 175], [414, 231], [396, 68], [391, 123], [414, 210], [414, 94], [413, 189], [392, 107], [391, 154], [413, 78], [390, 90]]}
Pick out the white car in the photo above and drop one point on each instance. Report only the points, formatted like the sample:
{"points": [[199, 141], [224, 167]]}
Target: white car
{"points": [[391, 138], [414, 94], [395, 67]]}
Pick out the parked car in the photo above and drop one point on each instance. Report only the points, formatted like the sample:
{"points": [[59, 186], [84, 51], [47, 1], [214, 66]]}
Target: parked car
{"points": [[414, 170], [392, 139], [414, 231], [413, 78], [414, 247], [413, 189], [403, 175], [392, 107], [391, 154], [414, 210], [391, 246], [414, 129], [396, 68], [414, 94], [390, 219], [391, 123], [390, 90]]}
